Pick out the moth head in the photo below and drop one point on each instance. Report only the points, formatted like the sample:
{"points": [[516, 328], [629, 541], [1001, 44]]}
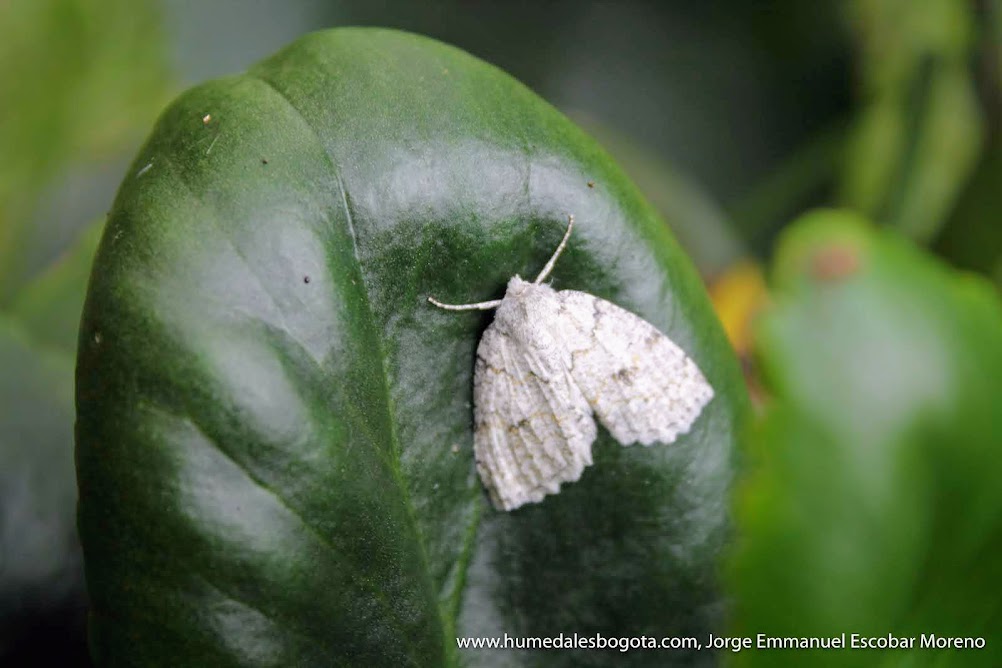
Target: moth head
{"points": [[517, 287]]}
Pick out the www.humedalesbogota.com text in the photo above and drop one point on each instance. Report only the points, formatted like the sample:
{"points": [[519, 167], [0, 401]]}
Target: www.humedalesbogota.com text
{"points": [[761, 641]]}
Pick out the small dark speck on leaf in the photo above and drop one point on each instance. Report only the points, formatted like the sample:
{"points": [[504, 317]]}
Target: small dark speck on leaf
{"points": [[834, 263], [306, 279], [264, 161], [591, 184]]}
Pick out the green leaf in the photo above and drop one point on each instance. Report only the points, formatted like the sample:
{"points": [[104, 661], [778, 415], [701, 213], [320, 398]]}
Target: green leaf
{"points": [[39, 556], [275, 427], [920, 132], [874, 506], [972, 239], [50, 306]]}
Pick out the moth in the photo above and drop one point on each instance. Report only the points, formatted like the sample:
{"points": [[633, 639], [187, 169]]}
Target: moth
{"points": [[552, 361]]}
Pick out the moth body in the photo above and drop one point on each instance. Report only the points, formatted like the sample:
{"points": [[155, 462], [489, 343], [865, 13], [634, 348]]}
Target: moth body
{"points": [[553, 361]]}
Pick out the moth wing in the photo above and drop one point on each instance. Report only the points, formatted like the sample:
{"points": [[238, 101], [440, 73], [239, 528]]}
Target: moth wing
{"points": [[642, 386], [533, 428]]}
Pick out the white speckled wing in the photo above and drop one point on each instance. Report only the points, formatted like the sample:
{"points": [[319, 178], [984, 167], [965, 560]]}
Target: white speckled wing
{"points": [[533, 428], [641, 385]]}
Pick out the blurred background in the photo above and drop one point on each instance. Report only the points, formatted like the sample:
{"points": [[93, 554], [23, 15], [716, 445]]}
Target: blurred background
{"points": [[733, 117]]}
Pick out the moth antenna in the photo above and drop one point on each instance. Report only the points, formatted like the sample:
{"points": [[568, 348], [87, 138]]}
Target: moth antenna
{"points": [[560, 249], [479, 306]]}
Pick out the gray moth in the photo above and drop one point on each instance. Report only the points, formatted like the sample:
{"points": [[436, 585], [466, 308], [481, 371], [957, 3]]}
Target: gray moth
{"points": [[552, 361]]}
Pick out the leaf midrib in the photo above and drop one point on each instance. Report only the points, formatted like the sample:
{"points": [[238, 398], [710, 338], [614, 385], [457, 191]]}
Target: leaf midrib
{"points": [[446, 623]]}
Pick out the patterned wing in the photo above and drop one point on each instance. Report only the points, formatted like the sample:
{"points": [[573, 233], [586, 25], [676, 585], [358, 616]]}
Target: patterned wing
{"points": [[533, 428], [641, 385]]}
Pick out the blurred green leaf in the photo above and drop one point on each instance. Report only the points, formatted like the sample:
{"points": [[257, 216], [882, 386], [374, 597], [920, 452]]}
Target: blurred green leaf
{"points": [[874, 505], [920, 131], [972, 239], [40, 563], [79, 80], [50, 306], [992, 46]]}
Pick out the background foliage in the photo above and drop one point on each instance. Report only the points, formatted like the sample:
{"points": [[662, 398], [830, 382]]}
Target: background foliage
{"points": [[734, 118]]}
